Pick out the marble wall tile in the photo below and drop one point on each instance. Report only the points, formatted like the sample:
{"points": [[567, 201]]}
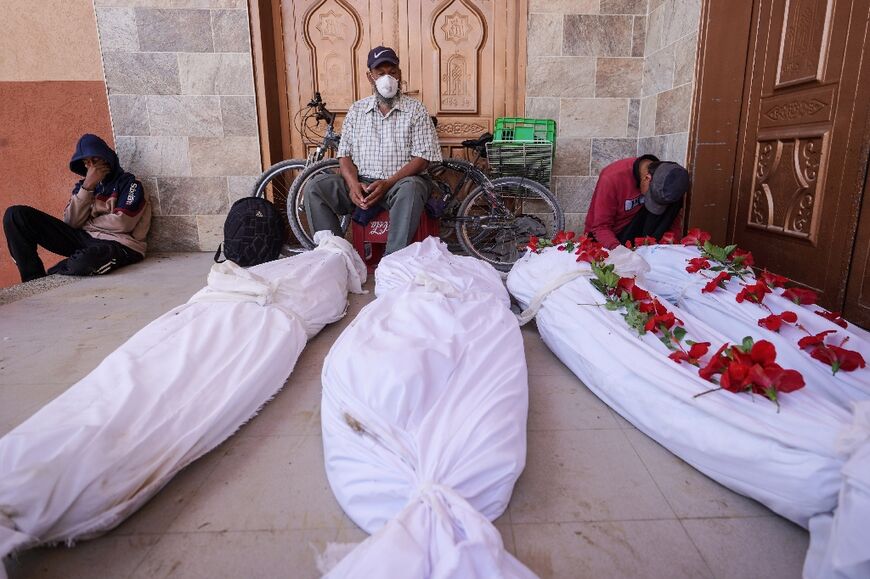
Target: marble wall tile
{"points": [[633, 117], [565, 6], [544, 35], [149, 185], [193, 195], [183, 115], [594, 35], [133, 3], [653, 4], [574, 193], [224, 156], [117, 28], [657, 145], [239, 114], [647, 127], [154, 156], [673, 110], [658, 71], [129, 115], [556, 76], [231, 32], [163, 30], [623, 6], [240, 186], [677, 146], [654, 29], [575, 222], [594, 117], [606, 151], [681, 17], [219, 74], [572, 156], [230, 4], [618, 77], [684, 59], [211, 231], [173, 233], [542, 108], [638, 36], [141, 73]]}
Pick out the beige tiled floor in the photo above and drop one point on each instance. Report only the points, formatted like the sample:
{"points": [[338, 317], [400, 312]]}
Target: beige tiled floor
{"points": [[598, 498]]}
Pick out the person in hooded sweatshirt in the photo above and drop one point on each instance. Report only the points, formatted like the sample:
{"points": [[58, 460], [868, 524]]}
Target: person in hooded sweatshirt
{"points": [[104, 224]]}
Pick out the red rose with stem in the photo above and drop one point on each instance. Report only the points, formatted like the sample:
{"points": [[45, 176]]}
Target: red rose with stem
{"points": [[773, 322], [696, 264], [834, 317], [717, 282], [800, 295], [695, 236], [838, 358]]}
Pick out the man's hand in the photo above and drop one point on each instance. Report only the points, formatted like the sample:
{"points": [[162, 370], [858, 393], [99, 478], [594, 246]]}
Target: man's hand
{"points": [[358, 194], [97, 171], [376, 192]]}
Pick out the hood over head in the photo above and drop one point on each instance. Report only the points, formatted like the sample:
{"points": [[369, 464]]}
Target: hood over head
{"points": [[93, 146]]}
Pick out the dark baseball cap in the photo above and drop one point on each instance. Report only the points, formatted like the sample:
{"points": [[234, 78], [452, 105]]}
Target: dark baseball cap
{"points": [[382, 54], [669, 183]]}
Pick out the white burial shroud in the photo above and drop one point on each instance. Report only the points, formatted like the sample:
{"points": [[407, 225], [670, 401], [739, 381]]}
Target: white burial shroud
{"points": [[425, 400], [669, 279], [171, 393], [786, 460], [839, 543]]}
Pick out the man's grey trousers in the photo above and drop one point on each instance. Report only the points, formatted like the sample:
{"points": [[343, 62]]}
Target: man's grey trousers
{"points": [[327, 197]]}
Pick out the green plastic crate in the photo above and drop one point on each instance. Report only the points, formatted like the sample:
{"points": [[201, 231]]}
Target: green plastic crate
{"points": [[520, 130]]}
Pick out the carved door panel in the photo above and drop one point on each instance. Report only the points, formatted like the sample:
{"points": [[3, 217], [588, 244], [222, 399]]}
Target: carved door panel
{"points": [[450, 51], [800, 178]]}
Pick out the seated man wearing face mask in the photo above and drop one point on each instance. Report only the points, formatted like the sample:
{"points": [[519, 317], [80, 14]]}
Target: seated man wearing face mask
{"points": [[387, 143]]}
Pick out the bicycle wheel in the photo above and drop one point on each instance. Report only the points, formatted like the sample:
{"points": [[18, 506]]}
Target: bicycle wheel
{"points": [[454, 180], [274, 184], [296, 202], [495, 223]]}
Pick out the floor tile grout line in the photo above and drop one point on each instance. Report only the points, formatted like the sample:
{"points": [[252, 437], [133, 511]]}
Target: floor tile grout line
{"points": [[671, 506], [649, 472]]}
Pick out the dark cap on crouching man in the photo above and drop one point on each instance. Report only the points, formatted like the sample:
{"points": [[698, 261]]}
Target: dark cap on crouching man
{"points": [[387, 143], [637, 197]]}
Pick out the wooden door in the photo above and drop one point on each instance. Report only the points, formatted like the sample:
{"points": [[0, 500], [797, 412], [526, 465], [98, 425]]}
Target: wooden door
{"points": [[464, 59], [803, 153], [857, 308]]}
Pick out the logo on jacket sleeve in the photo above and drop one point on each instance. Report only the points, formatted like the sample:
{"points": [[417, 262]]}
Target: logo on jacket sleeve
{"points": [[632, 203]]}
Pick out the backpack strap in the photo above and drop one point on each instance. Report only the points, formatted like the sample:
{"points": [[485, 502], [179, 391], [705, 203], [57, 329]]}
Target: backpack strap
{"points": [[217, 254]]}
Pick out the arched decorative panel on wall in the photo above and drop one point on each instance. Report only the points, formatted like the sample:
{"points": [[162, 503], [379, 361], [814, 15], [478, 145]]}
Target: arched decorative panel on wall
{"points": [[332, 32], [458, 31]]}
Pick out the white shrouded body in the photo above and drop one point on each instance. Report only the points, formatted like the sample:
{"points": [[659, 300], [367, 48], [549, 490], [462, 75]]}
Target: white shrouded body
{"points": [[425, 400], [171, 393]]}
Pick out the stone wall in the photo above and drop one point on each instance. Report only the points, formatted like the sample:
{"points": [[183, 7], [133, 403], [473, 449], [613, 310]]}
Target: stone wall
{"points": [[668, 78], [606, 70], [181, 93]]}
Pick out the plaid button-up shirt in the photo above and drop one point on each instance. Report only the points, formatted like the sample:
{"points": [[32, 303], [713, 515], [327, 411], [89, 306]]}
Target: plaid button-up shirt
{"points": [[381, 145]]}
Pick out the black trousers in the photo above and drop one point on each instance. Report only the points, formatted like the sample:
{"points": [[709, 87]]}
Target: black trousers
{"points": [[646, 224], [26, 228]]}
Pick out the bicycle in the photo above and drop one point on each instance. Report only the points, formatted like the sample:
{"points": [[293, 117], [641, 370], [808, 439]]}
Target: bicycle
{"points": [[275, 182], [491, 220]]}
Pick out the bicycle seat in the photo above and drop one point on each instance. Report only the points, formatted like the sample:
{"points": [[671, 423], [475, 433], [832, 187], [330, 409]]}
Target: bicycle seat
{"points": [[478, 144]]}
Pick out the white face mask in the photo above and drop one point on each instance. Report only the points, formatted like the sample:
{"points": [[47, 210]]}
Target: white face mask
{"points": [[387, 86]]}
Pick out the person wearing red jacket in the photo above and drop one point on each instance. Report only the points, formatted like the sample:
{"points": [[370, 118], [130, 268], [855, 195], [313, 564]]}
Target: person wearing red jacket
{"points": [[637, 197]]}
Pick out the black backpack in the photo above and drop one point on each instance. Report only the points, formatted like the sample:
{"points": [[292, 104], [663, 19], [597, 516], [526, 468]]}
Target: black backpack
{"points": [[253, 232]]}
